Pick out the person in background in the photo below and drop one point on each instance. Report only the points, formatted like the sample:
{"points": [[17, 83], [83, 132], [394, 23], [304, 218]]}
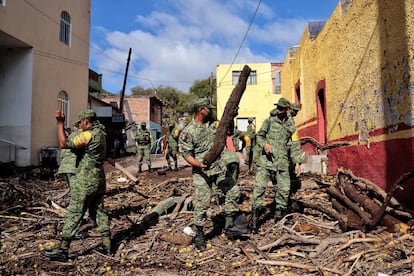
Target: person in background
{"points": [[172, 146], [195, 141], [144, 142], [250, 140], [273, 140], [88, 186]]}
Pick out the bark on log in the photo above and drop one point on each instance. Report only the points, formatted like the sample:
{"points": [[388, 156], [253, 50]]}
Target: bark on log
{"points": [[353, 221], [227, 119], [333, 191], [392, 224]]}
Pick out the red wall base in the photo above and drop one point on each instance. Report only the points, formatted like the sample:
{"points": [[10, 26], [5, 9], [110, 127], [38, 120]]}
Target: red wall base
{"points": [[382, 163]]}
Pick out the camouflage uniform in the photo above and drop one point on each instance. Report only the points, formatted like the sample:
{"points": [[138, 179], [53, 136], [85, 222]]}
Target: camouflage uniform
{"points": [[250, 138], [68, 166], [274, 166], [197, 140], [172, 146], [88, 186], [144, 143]]}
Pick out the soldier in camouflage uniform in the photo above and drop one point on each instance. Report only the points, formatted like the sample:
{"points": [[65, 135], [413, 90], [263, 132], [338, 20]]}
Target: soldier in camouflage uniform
{"points": [[144, 143], [195, 141], [250, 140], [88, 185], [274, 139], [172, 146]]}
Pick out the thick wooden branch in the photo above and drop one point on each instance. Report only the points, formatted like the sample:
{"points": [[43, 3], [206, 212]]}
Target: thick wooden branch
{"points": [[320, 146], [333, 191], [227, 120]]}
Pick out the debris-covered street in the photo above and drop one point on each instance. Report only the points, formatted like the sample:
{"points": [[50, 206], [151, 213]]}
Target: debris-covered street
{"points": [[307, 241]]}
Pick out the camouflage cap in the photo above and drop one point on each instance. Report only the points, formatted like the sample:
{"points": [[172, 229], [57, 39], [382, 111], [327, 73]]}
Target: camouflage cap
{"points": [[143, 124], [283, 102], [203, 102], [250, 119], [87, 114]]}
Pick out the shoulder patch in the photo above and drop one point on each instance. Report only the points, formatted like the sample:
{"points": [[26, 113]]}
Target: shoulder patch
{"points": [[82, 139]]}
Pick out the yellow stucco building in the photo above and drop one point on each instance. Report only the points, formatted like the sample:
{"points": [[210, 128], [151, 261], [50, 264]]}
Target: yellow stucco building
{"points": [[44, 56], [262, 91], [353, 76]]}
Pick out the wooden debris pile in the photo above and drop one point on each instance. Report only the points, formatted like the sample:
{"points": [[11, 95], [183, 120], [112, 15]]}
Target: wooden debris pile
{"points": [[149, 215], [357, 203]]}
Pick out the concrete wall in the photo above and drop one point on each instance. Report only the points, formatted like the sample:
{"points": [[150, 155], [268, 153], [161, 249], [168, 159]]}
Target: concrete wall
{"points": [[55, 66], [362, 60]]}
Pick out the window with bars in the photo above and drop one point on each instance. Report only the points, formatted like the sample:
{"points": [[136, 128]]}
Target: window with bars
{"points": [[252, 79], [65, 28], [63, 105]]}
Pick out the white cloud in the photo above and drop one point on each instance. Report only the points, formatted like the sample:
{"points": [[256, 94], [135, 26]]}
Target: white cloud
{"points": [[186, 43]]}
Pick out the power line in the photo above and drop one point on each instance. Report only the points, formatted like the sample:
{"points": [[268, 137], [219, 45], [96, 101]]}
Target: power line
{"points": [[244, 38]]}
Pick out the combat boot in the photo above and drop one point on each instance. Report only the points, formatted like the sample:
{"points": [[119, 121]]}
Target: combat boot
{"points": [[105, 247], [175, 166], [199, 240], [139, 168], [279, 214], [253, 222], [149, 169], [231, 230], [60, 254]]}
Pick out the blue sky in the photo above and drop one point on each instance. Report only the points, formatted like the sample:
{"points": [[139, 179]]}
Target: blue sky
{"points": [[175, 42]]}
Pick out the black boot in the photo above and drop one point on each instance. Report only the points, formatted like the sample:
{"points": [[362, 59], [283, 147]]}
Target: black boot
{"points": [[175, 165], [105, 247], [253, 222], [149, 169], [59, 254], [139, 168], [231, 230], [279, 214], [199, 239]]}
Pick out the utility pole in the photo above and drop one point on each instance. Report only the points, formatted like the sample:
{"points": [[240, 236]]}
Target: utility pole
{"points": [[121, 101], [211, 87]]}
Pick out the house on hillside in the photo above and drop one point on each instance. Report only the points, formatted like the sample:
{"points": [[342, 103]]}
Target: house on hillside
{"points": [[44, 55], [353, 76], [262, 91]]}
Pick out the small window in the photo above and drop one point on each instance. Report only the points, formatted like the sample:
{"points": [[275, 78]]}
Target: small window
{"points": [[65, 28], [252, 79], [278, 87], [63, 105]]}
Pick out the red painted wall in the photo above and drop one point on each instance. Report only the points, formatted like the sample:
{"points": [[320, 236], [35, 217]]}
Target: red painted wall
{"points": [[382, 162]]}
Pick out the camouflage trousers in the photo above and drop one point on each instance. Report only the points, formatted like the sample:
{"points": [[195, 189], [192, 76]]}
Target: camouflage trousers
{"points": [[203, 187], [171, 154], [143, 154], [281, 187], [79, 203]]}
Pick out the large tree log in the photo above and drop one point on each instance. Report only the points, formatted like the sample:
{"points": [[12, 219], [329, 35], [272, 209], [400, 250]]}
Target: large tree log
{"points": [[334, 192], [392, 224], [227, 120]]}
